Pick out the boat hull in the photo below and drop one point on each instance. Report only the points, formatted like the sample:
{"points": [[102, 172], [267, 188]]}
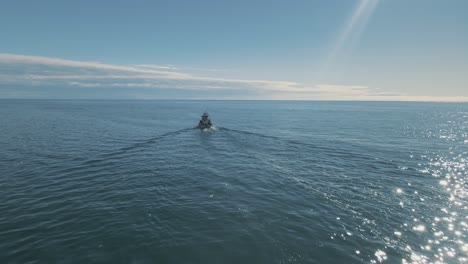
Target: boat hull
{"points": [[204, 126]]}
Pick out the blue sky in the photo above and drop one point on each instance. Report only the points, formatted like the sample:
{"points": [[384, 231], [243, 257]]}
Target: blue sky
{"points": [[257, 49]]}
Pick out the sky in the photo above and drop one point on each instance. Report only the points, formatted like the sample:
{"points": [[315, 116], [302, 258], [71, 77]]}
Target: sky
{"points": [[397, 50]]}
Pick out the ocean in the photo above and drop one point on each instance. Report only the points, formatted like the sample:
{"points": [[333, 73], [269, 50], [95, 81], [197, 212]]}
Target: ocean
{"points": [[90, 181]]}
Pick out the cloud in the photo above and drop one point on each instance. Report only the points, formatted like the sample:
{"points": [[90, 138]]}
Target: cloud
{"points": [[174, 68], [33, 70], [42, 72], [157, 67], [326, 92]]}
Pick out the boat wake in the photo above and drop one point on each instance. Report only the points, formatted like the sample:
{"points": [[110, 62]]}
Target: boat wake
{"points": [[138, 144], [124, 152], [210, 129]]}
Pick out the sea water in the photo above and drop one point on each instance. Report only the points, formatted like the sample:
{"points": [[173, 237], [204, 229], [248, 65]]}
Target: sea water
{"points": [[275, 182]]}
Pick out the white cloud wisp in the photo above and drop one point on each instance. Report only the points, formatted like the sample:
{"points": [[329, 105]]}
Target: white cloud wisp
{"points": [[34, 71]]}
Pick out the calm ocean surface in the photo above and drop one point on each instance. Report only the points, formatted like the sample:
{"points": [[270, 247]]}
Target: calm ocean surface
{"points": [[276, 182]]}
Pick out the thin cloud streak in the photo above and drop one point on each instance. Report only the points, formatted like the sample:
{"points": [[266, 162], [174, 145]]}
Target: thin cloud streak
{"points": [[35, 71], [87, 74], [174, 68], [151, 66], [25, 59]]}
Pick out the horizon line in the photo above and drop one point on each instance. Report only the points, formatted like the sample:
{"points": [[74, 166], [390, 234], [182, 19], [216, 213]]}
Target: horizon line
{"points": [[252, 100]]}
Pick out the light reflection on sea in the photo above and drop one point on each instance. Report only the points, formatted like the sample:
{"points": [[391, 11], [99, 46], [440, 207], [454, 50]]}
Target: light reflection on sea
{"points": [[443, 234]]}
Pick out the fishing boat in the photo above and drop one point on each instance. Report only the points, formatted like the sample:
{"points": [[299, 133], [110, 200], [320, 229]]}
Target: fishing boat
{"points": [[205, 121]]}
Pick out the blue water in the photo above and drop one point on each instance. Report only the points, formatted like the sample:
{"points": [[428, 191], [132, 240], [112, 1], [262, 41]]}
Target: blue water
{"points": [[275, 182]]}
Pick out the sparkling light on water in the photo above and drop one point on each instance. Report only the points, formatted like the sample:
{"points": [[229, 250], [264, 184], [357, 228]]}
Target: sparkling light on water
{"points": [[446, 236]]}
